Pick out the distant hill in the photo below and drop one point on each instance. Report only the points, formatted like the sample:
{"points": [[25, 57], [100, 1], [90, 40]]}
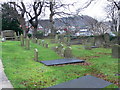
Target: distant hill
{"points": [[77, 21]]}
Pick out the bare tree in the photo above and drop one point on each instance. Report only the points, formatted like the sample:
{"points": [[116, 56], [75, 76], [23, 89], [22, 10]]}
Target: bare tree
{"points": [[33, 11], [20, 16]]}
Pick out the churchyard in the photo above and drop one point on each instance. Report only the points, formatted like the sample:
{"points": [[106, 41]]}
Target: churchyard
{"points": [[22, 60]]}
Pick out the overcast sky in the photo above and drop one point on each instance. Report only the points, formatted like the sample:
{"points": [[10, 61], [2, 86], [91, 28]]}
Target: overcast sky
{"points": [[95, 10]]}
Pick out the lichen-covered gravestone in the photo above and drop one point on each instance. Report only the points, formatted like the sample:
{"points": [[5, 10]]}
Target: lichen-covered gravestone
{"points": [[68, 52], [36, 40], [27, 43], [39, 42], [46, 45], [116, 51], [56, 39], [16, 38], [62, 52], [42, 42], [36, 55], [107, 40], [87, 45], [22, 40], [60, 47]]}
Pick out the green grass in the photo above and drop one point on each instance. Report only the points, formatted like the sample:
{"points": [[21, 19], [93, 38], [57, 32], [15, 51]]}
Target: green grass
{"points": [[24, 72]]}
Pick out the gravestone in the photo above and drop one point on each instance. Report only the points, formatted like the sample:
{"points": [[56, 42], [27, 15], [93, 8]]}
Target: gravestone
{"points": [[36, 55], [39, 41], [60, 47], [68, 52], [27, 43], [65, 39], [56, 39], [62, 52], [116, 51], [84, 82], [22, 40], [8, 34], [99, 41], [36, 40], [56, 48], [62, 61], [87, 44], [16, 38], [107, 40], [46, 45], [42, 42]]}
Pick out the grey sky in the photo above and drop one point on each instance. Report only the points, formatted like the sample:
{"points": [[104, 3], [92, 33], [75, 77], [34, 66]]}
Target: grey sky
{"points": [[95, 10]]}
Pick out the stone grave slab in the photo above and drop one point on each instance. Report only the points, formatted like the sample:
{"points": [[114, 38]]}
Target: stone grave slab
{"points": [[94, 47], [84, 82], [61, 61]]}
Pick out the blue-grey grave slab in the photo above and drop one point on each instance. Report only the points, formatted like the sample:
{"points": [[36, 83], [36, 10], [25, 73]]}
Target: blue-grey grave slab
{"points": [[61, 61], [94, 47], [84, 82]]}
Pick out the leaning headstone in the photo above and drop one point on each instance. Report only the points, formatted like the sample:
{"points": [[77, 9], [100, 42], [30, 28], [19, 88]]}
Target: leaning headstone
{"points": [[68, 52], [36, 55], [22, 40], [27, 43]]}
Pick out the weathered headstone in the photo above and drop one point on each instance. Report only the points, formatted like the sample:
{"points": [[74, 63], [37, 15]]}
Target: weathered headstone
{"points": [[42, 42], [36, 55], [56, 48], [46, 45], [99, 41], [36, 40], [107, 40], [87, 46], [60, 47], [39, 41], [56, 39], [68, 52], [116, 51], [16, 38], [62, 52], [27, 43], [22, 40]]}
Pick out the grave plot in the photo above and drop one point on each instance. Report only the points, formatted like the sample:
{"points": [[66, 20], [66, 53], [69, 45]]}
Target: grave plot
{"points": [[84, 82], [61, 61]]}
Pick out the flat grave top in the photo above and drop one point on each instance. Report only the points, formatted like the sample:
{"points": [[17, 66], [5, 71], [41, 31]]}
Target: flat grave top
{"points": [[84, 82], [61, 61], [94, 47]]}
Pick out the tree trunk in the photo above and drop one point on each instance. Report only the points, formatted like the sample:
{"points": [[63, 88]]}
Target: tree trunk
{"points": [[118, 26]]}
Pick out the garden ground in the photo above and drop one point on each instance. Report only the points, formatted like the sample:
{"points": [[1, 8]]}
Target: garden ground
{"points": [[24, 72]]}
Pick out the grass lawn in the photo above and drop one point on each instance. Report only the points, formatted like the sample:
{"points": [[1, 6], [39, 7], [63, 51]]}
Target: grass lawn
{"points": [[24, 72]]}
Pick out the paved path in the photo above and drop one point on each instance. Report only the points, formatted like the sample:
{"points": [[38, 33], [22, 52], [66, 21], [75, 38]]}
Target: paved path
{"points": [[4, 82]]}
